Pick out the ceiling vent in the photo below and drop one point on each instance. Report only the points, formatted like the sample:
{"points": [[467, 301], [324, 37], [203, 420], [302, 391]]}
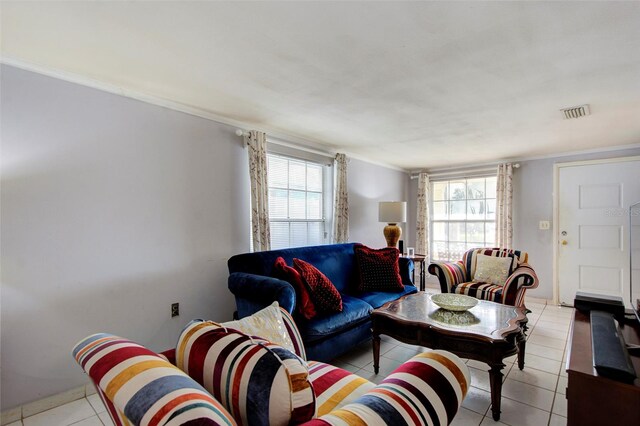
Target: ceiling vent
{"points": [[575, 112]]}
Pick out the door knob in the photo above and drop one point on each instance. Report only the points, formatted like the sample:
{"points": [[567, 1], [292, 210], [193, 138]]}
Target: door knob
{"points": [[565, 242]]}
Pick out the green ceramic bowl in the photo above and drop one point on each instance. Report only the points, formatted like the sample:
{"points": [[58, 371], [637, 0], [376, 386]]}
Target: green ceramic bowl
{"points": [[454, 302]]}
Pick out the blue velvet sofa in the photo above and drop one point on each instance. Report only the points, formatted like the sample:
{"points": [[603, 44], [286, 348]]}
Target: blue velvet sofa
{"points": [[325, 336]]}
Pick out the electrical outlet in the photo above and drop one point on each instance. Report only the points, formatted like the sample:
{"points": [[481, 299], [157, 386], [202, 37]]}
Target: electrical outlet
{"points": [[175, 309], [544, 225]]}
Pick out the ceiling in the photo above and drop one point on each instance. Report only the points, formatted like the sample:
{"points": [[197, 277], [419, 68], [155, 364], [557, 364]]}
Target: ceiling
{"points": [[414, 85]]}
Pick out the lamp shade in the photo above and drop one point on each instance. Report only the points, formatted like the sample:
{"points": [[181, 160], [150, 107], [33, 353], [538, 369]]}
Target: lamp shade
{"points": [[392, 211]]}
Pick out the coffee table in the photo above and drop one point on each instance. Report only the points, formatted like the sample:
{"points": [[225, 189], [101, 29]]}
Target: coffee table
{"points": [[488, 332]]}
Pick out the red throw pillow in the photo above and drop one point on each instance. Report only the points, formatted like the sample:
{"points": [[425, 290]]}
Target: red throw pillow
{"points": [[379, 270], [284, 272], [324, 294]]}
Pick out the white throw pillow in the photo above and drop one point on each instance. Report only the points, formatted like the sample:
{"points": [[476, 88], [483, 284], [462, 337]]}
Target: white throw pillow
{"points": [[267, 324], [491, 269]]}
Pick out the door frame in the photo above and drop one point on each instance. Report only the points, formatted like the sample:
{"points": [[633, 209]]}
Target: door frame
{"points": [[556, 208]]}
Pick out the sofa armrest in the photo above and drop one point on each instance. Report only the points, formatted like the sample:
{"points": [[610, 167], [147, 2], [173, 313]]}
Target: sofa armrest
{"points": [[450, 274], [255, 292], [522, 278], [406, 267], [427, 389], [138, 386]]}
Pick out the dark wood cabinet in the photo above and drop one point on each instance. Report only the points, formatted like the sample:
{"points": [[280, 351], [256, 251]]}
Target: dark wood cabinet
{"points": [[596, 400]]}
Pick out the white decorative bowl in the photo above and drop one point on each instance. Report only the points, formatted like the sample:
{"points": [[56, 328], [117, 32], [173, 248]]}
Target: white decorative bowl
{"points": [[454, 302]]}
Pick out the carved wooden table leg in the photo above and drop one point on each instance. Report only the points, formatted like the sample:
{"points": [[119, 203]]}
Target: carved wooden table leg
{"points": [[495, 379], [521, 341], [501, 333], [376, 352]]}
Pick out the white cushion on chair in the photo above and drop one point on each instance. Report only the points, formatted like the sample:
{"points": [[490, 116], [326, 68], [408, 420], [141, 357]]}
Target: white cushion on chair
{"points": [[491, 269]]}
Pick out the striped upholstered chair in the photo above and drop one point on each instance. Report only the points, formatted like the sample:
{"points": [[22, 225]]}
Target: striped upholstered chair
{"points": [[235, 379], [458, 277]]}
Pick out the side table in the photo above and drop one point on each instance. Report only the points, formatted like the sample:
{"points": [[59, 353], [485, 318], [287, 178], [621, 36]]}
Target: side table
{"points": [[419, 259]]}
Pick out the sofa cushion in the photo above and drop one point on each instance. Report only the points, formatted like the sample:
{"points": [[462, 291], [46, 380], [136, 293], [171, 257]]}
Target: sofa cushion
{"points": [[258, 382], [469, 258], [492, 269], [294, 333], [266, 323], [484, 291], [378, 269], [304, 304], [335, 387], [336, 261], [323, 293], [140, 387], [379, 298], [354, 311]]}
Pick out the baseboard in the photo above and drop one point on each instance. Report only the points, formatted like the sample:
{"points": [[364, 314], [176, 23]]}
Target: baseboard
{"points": [[11, 415], [32, 408], [539, 300]]}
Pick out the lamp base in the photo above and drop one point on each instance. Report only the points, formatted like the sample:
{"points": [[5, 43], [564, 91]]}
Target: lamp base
{"points": [[392, 234]]}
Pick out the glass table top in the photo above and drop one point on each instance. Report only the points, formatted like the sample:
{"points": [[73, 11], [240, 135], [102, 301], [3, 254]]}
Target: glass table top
{"points": [[486, 318]]}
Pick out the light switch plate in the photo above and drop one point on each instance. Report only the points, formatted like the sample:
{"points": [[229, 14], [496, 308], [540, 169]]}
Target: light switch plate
{"points": [[544, 225]]}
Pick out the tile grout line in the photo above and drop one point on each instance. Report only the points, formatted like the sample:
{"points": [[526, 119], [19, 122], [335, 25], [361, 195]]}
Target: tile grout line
{"points": [[96, 414], [522, 402]]}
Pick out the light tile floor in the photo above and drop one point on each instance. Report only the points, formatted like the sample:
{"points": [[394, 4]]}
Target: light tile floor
{"points": [[532, 397]]}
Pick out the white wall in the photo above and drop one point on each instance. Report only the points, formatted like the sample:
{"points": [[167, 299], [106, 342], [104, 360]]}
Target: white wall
{"points": [[533, 202], [111, 210], [369, 184]]}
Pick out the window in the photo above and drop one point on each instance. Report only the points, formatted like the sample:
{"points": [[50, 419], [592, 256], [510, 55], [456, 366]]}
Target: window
{"points": [[296, 202], [463, 216]]}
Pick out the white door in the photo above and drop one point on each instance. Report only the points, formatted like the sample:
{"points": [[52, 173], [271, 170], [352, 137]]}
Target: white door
{"points": [[593, 239]]}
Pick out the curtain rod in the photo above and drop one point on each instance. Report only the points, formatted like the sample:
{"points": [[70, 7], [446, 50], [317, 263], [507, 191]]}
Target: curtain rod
{"points": [[462, 172], [281, 142]]}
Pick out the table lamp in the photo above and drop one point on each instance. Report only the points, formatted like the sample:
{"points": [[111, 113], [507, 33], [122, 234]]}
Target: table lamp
{"points": [[392, 212]]}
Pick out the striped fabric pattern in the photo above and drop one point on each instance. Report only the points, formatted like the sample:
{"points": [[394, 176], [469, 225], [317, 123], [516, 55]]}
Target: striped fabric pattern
{"points": [[524, 277], [426, 390], [451, 274], [294, 333], [456, 277], [335, 387], [258, 382], [141, 388], [469, 259], [479, 290]]}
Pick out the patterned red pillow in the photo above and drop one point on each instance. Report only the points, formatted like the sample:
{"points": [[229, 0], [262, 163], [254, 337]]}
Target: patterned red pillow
{"points": [[379, 270], [325, 295], [284, 272]]}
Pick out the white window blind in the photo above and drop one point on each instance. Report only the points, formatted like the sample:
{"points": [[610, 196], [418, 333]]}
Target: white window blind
{"points": [[296, 202], [463, 216]]}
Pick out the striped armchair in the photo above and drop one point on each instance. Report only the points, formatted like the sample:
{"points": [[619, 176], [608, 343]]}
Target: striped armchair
{"points": [[265, 384], [457, 277]]}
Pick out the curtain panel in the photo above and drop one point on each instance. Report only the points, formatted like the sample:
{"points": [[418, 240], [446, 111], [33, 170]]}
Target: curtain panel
{"points": [[341, 201], [422, 216], [504, 205], [257, 149]]}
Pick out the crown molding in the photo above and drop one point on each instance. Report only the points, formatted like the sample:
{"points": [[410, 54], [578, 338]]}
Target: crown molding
{"points": [[375, 163], [294, 141], [467, 167], [578, 152], [291, 140]]}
